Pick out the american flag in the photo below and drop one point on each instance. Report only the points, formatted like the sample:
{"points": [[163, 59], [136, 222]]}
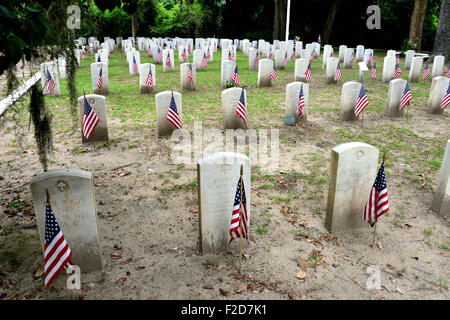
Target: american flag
{"points": [[285, 58], [311, 58], [235, 76], [159, 55], [270, 53], [397, 59], [292, 54], [98, 58], [149, 81], [50, 83], [308, 73], [99, 79], [204, 61], [338, 74], [301, 103], [230, 57], [361, 102], [183, 54], [273, 73], [239, 220], [256, 60], [318, 40], [90, 119], [149, 51], [397, 72], [352, 58], [168, 60], [370, 58], [406, 98], [134, 65], [172, 114], [446, 100], [82, 52], [373, 73], [57, 253], [189, 49], [426, 72], [241, 109], [378, 203], [190, 77], [208, 55], [447, 71]]}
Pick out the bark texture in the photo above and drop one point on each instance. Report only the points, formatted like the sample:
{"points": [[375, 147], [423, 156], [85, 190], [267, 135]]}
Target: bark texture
{"points": [[417, 18], [441, 41]]}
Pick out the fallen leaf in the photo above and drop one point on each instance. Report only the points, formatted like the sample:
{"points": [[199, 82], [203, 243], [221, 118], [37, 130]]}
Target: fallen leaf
{"points": [[303, 264], [223, 292], [291, 296], [241, 288], [188, 284], [208, 287], [121, 280], [221, 266], [128, 260], [39, 272], [301, 275], [429, 261], [116, 255], [194, 210], [85, 288], [140, 268]]}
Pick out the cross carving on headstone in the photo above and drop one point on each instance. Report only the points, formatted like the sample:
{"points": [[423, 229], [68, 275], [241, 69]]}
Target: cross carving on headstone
{"points": [[61, 185]]}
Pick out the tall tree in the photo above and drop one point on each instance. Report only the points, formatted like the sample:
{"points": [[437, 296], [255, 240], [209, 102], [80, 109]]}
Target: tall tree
{"points": [[417, 18], [330, 21], [279, 19], [441, 41]]}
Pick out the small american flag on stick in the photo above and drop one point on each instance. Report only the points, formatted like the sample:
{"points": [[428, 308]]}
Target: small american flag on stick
{"points": [[378, 203], [134, 65], [159, 55], [269, 55], [241, 108], [273, 73], [98, 58], [361, 102], [447, 71], [285, 59], [183, 54], [338, 74], [397, 72], [426, 72], [406, 98], [446, 99], [57, 253], [235, 76], [256, 60], [172, 114], [90, 119], [308, 73], [239, 219], [190, 76], [373, 73], [204, 61], [50, 84], [168, 60], [99, 79], [149, 80], [301, 103], [230, 57]]}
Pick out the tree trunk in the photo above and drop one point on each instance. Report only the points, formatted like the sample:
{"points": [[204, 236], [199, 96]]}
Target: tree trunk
{"points": [[330, 21], [417, 18], [133, 25], [181, 14], [279, 19], [441, 41]]}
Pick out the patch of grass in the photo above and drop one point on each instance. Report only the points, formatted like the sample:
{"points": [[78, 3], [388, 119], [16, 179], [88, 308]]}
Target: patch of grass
{"points": [[281, 199], [428, 232], [261, 229]]}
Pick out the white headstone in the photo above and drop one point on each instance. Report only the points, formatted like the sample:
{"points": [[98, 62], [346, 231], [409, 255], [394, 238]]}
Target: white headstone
{"points": [[300, 68], [253, 63], [350, 93], [186, 83], [441, 202], [439, 86], [168, 66], [73, 203], [137, 57], [98, 104], [348, 58], [388, 68], [409, 55], [54, 76], [62, 66], [198, 56], [218, 175], [226, 70], [396, 89], [327, 51], [230, 98], [353, 170], [264, 69], [292, 97], [144, 71], [416, 69], [438, 66], [359, 53], [342, 50], [162, 100], [331, 70], [95, 74]]}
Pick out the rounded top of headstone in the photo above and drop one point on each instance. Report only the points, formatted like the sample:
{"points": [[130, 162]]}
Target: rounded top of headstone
{"points": [[352, 145], [224, 157], [229, 90], [167, 92], [61, 172], [92, 95]]}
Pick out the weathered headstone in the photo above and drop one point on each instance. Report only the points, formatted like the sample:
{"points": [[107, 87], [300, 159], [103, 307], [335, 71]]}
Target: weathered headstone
{"points": [[137, 58], [342, 50], [368, 57], [252, 62], [300, 68], [218, 175], [186, 83], [409, 55], [162, 106], [98, 104], [362, 68], [197, 58], [438, 89], [264, 69], [350, 92], [396, 89], [230, 98], [441, 202], [62, 66], [298, 49], [388, 68], [95, 74], [416, 69], [348, 58], [331, 70], [438, 66], [292, 98], [226, 70], [144, 71], [359, 53], [50, 68], [327, 51], [353, 169], [73, 203]]}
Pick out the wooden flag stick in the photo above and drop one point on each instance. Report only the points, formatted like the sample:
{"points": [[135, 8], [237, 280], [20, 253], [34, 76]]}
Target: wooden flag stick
{"points": [[374, 235], [240, 223], [48, 195]]}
